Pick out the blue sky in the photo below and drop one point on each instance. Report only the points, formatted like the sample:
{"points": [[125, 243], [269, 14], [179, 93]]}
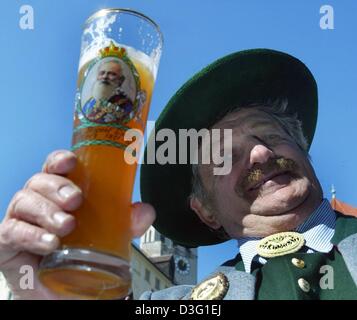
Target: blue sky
{"points": [[39, 70]]}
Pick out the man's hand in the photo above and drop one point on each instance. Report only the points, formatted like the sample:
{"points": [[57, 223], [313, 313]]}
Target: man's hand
{"points": [[39, 215]]}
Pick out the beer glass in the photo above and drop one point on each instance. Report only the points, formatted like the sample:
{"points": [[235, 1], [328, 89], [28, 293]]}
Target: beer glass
{"points": [[119, 59]]}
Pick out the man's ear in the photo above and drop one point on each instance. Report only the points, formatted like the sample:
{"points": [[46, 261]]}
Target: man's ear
{"points": [[204, 214]]}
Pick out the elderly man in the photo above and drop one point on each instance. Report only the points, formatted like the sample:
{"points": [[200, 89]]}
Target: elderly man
{"points": [[108, 102], [271, 201]]}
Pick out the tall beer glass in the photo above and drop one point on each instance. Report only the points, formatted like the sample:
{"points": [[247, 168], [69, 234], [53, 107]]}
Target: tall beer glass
{"points": [[118, 64]]}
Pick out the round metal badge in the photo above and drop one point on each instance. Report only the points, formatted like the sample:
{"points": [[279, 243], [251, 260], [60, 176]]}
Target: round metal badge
{"points": [[280, 244], [214, 288]]}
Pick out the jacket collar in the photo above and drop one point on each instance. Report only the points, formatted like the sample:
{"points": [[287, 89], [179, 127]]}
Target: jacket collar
{"points": [[345, 226]]}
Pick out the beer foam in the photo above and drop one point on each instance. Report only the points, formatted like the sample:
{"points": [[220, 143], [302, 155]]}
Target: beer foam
{"points": [[94, 38]]}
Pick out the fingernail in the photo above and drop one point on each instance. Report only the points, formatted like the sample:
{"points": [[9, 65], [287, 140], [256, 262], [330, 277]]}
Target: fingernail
{"points": [[60, 155], [60, 217], [48, 237], [53, 159], [67, 191]]}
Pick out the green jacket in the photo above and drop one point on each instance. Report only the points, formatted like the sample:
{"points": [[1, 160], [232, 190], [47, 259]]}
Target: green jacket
{"points": [[331, 276]]}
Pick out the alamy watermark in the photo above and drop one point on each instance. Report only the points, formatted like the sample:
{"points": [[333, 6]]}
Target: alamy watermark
{"points": [[187, 146], [327, 280], [27, 279], [327, 20], [27, 18]]}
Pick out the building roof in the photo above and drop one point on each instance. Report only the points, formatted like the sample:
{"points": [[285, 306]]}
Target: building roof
{"points": [[343, 207], [160, 259]]}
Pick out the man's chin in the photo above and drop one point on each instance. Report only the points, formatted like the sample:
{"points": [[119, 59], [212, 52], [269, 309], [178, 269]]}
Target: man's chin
{"points": [[103, 91], [264, 226], [282, 223]]}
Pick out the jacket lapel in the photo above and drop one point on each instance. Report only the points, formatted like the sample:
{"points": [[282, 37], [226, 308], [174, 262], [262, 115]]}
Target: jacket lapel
{"points": [[345, 239], [348, 249]]}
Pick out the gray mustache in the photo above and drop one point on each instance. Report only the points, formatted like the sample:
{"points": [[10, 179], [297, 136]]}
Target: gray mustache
{"points": [[105, 82], [257, 173]]}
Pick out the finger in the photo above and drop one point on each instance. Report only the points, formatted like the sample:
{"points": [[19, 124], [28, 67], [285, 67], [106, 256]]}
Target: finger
{"points": [[60, 190], [60, 162], [33, 208], [16, 236], [143, 216]]}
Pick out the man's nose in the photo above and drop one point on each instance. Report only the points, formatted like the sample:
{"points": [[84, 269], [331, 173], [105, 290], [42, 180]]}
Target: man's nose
{"points": [[260, 154]]}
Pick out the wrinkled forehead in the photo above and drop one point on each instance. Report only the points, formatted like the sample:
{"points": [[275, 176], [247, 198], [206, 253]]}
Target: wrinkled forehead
{"points": [[247, 118], [110, 66]]}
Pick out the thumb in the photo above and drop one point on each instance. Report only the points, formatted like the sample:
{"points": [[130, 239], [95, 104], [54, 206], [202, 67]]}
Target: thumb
{"points": [[142, 217]]}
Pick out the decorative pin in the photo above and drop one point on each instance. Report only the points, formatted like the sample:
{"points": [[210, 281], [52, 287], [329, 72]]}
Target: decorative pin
{"points": [[214, 288], [280, 244]]}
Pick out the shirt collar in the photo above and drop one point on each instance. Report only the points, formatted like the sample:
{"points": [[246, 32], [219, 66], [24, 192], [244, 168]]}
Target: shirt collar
{"points": [[318, 230]]}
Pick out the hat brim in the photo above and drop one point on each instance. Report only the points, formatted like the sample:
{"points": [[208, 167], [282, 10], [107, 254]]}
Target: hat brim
{"points": [[239, 79]]}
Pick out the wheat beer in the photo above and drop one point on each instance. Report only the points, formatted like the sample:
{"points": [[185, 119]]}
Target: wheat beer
{"points": [[115, 85]]}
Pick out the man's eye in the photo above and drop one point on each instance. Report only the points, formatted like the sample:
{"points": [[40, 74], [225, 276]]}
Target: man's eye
{"points": [[273, 137]]}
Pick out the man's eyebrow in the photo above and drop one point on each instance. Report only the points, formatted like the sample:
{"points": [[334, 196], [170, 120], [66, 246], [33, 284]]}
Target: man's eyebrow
{"points": [[262, 124], [237, 121]]}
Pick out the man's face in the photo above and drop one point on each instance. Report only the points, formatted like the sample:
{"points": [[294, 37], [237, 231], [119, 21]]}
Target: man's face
{"points": [[109, 78], [272, 186], [110, 73]]}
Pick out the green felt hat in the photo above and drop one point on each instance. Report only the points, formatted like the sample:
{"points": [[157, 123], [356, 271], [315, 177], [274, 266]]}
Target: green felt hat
{"points": [[239, 79]]}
